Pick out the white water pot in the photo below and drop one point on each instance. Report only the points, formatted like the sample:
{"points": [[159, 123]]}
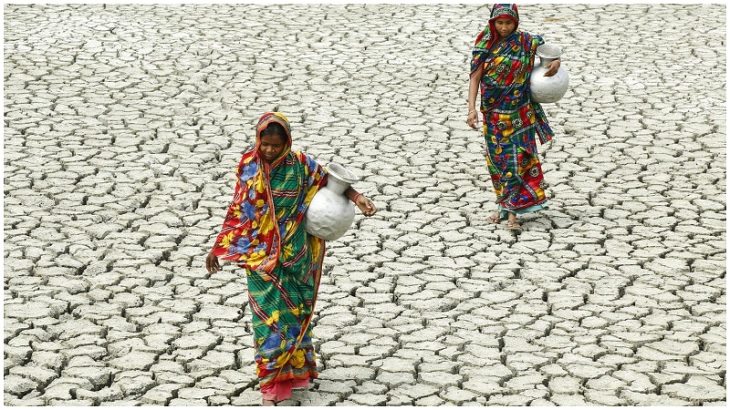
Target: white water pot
{"points": [[331, 214], [548, 89]]}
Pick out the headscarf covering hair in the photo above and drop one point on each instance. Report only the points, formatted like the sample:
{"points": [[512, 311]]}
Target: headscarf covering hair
{"points": [[485, 39], [505, 10]]}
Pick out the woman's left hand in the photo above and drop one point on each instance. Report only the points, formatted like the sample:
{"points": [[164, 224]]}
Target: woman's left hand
{"points": [[552, 68], [472, 119], [367, 207]]}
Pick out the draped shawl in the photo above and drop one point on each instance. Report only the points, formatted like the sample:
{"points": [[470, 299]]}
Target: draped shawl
{"points": [[252, 234]]}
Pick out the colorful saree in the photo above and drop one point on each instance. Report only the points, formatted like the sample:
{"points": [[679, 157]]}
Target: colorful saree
{"points": [[511, 121], [264, 234]]}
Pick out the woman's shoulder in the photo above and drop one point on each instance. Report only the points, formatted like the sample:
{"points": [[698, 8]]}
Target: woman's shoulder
{"points": [[529, 37], [300, 156], [305, 159]]}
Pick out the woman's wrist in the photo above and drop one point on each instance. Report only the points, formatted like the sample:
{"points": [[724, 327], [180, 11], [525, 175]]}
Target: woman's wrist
{"points": [[358, 195]]}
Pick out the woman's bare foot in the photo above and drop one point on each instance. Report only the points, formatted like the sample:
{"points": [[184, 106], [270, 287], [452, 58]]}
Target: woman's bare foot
{"points": [[494, 218], [265, 402], [512, 223]]}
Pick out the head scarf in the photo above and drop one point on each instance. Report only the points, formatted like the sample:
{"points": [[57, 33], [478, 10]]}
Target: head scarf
{"points": [[251, 235], [486, 38], [505, 10], [264, 122]]}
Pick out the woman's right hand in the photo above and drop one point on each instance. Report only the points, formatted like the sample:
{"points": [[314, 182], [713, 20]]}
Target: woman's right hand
{"points": [[212, 264], [472, 118]]}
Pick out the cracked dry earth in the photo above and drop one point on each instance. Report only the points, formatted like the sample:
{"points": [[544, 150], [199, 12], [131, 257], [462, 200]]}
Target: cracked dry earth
{"points": [[123, 124]]}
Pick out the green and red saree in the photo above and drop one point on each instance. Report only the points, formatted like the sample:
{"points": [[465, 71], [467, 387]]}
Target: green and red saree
{"points": [[264, 234]]}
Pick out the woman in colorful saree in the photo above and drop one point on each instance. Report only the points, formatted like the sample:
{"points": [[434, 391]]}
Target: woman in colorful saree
{"points": [[501, 65], [263, 233]]}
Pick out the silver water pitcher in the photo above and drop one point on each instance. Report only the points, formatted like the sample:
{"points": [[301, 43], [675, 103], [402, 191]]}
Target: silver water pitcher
{"points": [[548, 89], [331, 214]]}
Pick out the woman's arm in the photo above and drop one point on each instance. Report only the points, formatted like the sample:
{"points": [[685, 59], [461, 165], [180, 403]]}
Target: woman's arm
{"points": [[366, 206], [476, 77]]}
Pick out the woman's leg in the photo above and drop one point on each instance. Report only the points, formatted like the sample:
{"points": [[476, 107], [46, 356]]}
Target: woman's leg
{"points": [[269, 320], [276, 392], [300, 384], [291, 343], [494, 218]]}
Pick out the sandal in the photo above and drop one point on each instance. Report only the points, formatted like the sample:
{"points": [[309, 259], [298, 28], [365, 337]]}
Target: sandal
{"points": [[495, 219], [514, 226]]}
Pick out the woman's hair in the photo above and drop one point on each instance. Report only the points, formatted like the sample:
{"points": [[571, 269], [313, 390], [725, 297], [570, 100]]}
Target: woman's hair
{"points": [[274, 129]]}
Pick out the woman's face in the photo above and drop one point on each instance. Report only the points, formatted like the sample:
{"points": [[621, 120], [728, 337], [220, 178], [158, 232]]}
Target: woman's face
{"points": [[271, 147], [504, 26]]}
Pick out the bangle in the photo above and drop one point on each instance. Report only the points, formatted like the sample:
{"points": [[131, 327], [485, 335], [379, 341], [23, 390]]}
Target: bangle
{"points": [[471, 112], [355, 198]]}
